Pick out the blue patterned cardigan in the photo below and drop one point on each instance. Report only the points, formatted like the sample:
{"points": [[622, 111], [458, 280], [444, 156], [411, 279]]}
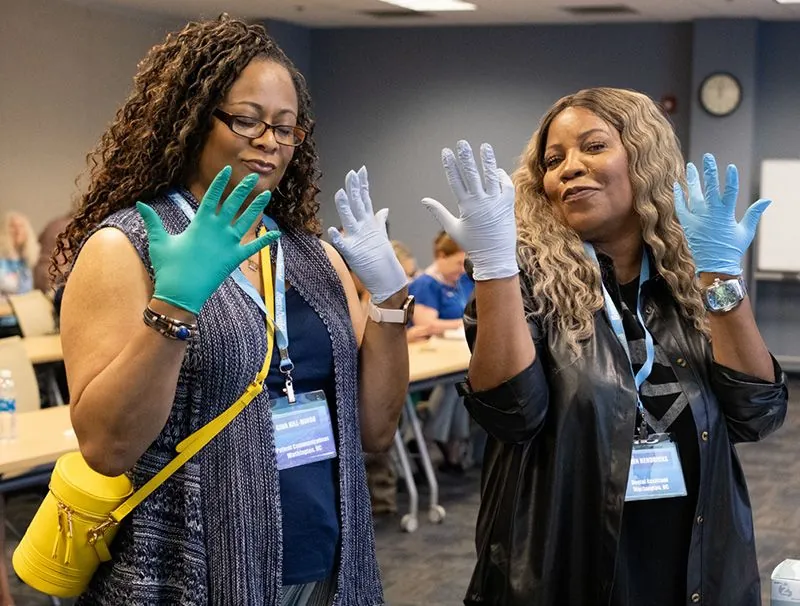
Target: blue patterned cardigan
{"points": [[212, 533]]}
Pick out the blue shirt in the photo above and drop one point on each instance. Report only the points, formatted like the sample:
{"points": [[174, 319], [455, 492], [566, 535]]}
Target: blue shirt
{"points": [[448, 300], [308, 492], [16, 277]]}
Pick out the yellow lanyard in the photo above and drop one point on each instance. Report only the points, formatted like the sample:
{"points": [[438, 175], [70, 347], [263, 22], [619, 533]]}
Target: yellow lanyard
{"points": [[188, 447], [269, 292]]}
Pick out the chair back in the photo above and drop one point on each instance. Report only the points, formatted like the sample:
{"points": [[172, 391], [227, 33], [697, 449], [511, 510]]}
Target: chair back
{"points": [[34, 312]]}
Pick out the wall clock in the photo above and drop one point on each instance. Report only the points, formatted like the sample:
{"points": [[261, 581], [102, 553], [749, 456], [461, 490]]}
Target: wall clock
{"points": [[720, 94]]}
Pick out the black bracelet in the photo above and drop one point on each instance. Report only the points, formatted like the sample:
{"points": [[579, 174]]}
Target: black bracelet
{"points": [[169, 327]]}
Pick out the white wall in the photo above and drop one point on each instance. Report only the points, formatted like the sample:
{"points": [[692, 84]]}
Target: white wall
{"points": [[64, 71]]}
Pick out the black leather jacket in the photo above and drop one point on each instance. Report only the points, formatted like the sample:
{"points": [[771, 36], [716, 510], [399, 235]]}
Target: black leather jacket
{"points": [[557, 460]]}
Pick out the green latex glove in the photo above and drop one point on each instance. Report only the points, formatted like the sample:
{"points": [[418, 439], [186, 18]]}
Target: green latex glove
{"points": [[191, 265]]}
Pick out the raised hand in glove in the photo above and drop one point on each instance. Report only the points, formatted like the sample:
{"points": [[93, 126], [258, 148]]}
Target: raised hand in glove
{"points": [[717, 241], [486, 227], [365, 244], [191, 265]]}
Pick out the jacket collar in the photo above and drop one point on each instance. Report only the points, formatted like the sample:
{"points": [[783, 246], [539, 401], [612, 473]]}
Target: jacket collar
{"points": [[607, 268]]}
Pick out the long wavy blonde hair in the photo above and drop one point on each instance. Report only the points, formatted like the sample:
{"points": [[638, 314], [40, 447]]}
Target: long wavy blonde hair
{"points": [[29, 252], [565, 282]]}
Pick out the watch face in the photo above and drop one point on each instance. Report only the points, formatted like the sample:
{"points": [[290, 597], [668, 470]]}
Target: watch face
{"points": [[720, 94], [723, 296]]}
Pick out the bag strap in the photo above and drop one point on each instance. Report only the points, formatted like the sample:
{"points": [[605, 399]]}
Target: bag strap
{"points": [[191, 445]]}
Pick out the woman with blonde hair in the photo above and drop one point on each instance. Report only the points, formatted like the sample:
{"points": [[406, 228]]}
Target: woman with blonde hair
{"points": [[19, 251], [616, 360]]}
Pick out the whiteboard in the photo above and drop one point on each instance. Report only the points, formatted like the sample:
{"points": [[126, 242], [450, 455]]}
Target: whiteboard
{"points": [[778, 238]]}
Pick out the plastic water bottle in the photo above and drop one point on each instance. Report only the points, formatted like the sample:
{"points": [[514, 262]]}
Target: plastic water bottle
{"points": [[8, 406]]}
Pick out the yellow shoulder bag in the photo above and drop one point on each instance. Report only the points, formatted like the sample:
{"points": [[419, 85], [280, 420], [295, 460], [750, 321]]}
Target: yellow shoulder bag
{"points": [[71, 532]]}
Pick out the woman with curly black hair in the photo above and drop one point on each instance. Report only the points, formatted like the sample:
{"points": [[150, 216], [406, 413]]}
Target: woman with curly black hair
{"points": [[165, 323]]}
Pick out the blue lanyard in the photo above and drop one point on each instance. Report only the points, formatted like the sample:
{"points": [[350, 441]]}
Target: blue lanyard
{"points": [[281, 325], [615, 319]]}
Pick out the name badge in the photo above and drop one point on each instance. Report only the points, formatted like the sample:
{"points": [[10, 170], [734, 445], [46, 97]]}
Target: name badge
{"points": [[303, 430], [656, 471]]}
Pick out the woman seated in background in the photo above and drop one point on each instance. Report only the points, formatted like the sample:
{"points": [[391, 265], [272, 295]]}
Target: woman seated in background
{"points": [[442, 291], [19, 251], [441, 294]]}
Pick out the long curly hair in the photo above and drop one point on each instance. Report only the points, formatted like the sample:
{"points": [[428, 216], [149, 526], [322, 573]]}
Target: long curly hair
{"points": [[565, 282], [155, 140]]}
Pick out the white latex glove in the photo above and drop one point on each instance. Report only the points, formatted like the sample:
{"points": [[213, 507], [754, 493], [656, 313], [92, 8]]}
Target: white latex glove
{"points": [[486, 228], [365, 245]]}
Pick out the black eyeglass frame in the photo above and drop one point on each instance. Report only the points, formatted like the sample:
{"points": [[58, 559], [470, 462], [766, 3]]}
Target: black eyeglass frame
{"points": [[229, 120]]}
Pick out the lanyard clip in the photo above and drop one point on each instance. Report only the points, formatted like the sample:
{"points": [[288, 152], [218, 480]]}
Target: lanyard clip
{"points": [[289, 390], [286, 367]]}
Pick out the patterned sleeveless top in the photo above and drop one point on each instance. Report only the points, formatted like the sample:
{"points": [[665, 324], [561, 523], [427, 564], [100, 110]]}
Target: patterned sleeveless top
{"points": [[212, 533]]}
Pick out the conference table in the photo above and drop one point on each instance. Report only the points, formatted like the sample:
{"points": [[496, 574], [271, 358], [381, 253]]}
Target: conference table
{"points": [[44, 349], [42, 436], [437, 361], [429, 361], [46, 434]]}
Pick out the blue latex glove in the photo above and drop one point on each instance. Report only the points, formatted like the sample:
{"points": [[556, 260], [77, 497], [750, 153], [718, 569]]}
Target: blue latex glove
{"points": [[365, 244], [716, 240], [191, 265]]}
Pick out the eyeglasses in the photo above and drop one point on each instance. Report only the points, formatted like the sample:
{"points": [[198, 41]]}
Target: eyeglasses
{"points": [[251, 128]]}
